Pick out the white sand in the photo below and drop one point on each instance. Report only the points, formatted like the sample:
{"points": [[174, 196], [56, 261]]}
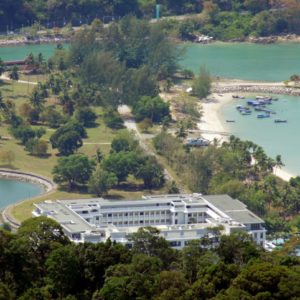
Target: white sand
{"points": [[210, 123], [213, 128]]}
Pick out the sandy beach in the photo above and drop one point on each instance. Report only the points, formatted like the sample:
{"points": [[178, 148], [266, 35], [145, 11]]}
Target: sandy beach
{"points": [[213, 127], [210, 122]]}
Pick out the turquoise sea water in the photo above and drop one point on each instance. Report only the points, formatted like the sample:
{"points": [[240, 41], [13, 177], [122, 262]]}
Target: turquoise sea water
{"points": [[282, 138], [275, 62], [12, 191], [21, 51]]}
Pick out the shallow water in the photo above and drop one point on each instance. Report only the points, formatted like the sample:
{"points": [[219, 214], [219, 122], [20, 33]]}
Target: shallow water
{"points": [[20, 52], [281, 138], [275, 62], [12, 191]]}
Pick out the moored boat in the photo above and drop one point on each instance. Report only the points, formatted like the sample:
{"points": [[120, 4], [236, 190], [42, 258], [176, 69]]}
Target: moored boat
{"points": [[280, 121], [262, 116]]}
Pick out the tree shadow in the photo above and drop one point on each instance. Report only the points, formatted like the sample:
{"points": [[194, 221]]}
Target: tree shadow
{"points": [[8, 166], [44, 156]]}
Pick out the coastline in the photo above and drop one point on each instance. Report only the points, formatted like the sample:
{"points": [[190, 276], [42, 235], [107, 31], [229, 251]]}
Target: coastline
{"points": [[214, 128], [24, 41], [48, 187]]}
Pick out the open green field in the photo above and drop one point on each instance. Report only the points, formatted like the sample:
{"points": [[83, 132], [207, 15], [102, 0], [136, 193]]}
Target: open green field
{"points": [[98, 137]]}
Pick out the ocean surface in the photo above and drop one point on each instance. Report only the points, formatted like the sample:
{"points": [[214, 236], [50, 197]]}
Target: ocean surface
{"points": [[12, 191], [275, 138], [20, 52], [274, 62]]}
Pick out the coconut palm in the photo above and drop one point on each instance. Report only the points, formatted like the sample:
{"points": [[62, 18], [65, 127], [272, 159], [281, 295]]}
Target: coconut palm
{"points": [[14, 75]]}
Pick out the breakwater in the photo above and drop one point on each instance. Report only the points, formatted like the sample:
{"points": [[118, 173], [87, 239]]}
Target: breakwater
{"points": [[267, 89]]}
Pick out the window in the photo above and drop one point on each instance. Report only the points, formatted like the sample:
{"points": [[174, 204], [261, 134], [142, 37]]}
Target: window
{"points": [[97, 218], [141, 222], [175, 244], [189, 215], [126, 214], [255, 226], [85, 212], [141, 213], [109, 215], [261, 235]]}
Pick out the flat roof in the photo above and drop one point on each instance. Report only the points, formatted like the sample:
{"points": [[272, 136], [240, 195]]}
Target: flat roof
{"points": [[65, 216], [225, 202], [234, 208], [147, 200], [245, 217]]}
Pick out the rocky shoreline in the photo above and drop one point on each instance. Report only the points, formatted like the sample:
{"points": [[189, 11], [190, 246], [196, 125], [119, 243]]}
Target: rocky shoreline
{"points": [[25, 41], [45, 183], [257, 89]]}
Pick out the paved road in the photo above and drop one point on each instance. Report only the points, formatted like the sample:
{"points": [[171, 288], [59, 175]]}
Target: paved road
{"points": [[5, 77], [130, 124]]}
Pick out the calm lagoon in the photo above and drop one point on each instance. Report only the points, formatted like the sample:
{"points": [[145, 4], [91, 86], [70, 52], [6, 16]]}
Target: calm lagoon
{"points": [[274, 62], [12, 191]]}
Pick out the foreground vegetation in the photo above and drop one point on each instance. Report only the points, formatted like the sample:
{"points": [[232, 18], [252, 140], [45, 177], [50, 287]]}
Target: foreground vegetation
{"points": [[39, 262]]}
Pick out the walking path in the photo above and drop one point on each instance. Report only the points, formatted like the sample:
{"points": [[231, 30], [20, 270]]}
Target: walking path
{"points": [[5, 77], [130, 124]]}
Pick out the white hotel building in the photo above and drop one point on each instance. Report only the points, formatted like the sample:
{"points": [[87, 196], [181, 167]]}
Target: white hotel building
{"points": [[180, 218]]}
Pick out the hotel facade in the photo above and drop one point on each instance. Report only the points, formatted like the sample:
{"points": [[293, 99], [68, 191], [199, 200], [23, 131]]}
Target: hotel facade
{"points": [[180, 218]]}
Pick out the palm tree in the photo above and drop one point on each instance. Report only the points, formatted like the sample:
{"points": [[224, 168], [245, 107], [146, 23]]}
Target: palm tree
{"points": [[14, 75], [278, 163], [36, 99], [2, 69]]}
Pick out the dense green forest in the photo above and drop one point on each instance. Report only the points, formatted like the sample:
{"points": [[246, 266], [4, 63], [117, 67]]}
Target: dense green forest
{"points": [[38, 262], [230, 19]]}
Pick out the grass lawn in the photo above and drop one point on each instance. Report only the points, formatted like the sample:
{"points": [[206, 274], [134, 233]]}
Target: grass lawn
{"points": [[98, 137]]}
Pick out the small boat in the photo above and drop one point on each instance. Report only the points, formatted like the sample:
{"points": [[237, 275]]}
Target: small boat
{"points": [[280, 121], [239, 107], [230, 121], [262, 116], [246, 112]]}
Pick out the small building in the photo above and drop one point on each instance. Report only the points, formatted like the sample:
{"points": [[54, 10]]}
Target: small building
{"points": [[180, 218]]}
